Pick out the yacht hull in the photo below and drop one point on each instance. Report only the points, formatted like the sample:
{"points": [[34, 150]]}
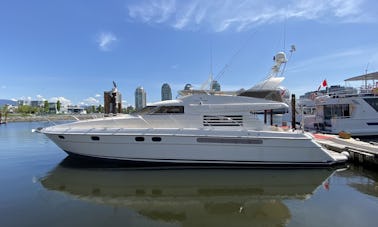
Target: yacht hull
{"points": [[195, 149]]}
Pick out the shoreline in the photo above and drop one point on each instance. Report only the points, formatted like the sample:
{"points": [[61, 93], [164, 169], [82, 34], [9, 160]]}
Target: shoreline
{"points": [[52, 117]]}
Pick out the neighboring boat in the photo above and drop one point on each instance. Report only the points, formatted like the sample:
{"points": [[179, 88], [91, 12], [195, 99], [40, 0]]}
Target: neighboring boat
{"points": [[192, 196], [348, 109]]}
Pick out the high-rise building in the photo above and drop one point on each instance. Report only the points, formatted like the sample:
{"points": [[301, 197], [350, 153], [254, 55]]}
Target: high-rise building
{"points": [[140, 98], [166, 92], [215, 86]]}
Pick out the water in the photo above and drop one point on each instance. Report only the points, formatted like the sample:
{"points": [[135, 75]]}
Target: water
{"points": [[41, 187]]}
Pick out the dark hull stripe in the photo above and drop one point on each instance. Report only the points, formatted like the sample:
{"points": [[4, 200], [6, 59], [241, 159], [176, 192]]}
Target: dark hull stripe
{"points": [[203, 163]]}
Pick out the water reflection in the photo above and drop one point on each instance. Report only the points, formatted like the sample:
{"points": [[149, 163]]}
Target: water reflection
{"points": [[191, 196], [362, 179]]}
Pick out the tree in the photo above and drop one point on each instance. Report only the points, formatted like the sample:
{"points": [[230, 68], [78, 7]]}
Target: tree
{"points": [[26, 109], [46, 106], [58, 105], [128, 110], [100, 109]]}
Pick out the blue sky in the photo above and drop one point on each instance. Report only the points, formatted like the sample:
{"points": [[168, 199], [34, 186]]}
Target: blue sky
{"points": [[72, 50]]}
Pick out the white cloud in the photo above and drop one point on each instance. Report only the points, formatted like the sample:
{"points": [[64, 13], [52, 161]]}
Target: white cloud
{"points": [[153, 11], [40, 98], [90, 101], [353, 58], [64, 101], [241, 15], [97, 95], [105, 40]]}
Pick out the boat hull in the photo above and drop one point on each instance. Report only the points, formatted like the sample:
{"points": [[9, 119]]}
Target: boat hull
{"points": [[194, 149]]}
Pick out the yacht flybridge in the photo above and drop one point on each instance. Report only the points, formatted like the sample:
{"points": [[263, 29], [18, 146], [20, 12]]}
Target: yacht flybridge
{"points": [[201, 129]]}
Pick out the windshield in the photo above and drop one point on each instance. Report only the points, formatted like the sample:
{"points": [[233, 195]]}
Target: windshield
{"points": [[161, 110]]}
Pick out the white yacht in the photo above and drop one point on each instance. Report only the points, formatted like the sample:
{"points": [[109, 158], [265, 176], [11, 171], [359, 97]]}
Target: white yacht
{"points": [[199, 129], [349, 109]]}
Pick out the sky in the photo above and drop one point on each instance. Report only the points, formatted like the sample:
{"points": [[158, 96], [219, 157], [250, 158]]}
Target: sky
{"points": [[73, 50]]}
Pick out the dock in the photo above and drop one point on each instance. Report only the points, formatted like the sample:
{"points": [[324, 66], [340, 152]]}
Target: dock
{"points": [[358, 152]]}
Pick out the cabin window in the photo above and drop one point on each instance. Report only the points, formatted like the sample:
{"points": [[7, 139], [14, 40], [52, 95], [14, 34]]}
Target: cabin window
{"points": [[169, 110], [373, 102], [226, 120], [95, 138], [146, 110], [61, 137], [139, 139], [156, 139], [336, 111]]}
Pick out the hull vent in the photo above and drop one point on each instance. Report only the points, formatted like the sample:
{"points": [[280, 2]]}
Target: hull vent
{"points": [[225, 120]]}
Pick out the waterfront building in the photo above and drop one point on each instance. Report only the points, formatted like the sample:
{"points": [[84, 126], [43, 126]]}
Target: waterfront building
{"points": [[53, 108], [37, 103], [140, 98], [76, 110], [215, 86], [166, 92], [113, 101], [23, 102]]}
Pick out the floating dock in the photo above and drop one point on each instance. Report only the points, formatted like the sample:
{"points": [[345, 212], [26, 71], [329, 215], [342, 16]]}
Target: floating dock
{"points": [[359, 152]]}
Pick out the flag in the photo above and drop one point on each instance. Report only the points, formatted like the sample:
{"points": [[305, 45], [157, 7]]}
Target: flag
{"points": [[326, 185], [323, 84]]}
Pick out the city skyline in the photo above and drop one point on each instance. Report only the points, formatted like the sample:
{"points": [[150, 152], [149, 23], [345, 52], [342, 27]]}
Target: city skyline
{"points": [[72, 51]]}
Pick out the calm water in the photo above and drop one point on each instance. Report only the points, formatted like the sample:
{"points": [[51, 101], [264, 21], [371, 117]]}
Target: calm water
{"points": [[41, 187]]}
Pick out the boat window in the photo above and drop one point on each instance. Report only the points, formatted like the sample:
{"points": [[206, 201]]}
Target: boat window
{"points": [[156, 139], [373, 102], [146, 110], [169, 110], [336, 111], [96, 138], [61, 137], [139, 139]]}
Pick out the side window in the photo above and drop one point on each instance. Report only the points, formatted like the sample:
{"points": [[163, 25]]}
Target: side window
{"points": [[373, 102], [170, 110]]}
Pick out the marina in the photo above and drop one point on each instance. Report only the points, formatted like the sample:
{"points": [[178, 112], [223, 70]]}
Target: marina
{"points": [[175, 113]]}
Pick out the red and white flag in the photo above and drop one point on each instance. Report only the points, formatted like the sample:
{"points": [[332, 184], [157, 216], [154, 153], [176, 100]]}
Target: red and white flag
{"points": [[323, 84]]}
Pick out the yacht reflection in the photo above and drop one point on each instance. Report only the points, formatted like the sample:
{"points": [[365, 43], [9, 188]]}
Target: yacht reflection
{"points": [[192, 196]]}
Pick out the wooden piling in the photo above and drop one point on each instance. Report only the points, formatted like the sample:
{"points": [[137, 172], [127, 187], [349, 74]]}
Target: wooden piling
{"points": [[293, 111]]}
